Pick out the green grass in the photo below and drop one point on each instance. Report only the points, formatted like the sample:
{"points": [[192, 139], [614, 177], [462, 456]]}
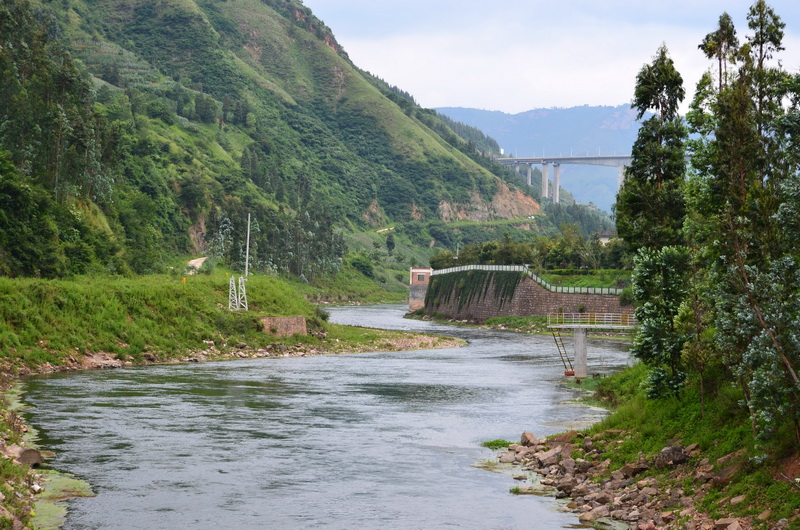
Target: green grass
{"points": [[496, 444], [595, 278], [13, 478], [723, 428], [529, 324], [52, 320]]}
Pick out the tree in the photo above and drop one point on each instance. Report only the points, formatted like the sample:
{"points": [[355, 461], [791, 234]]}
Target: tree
{"points": [[721, 44], [390, 242], [650, 207], [650, 213], [747, 164]]}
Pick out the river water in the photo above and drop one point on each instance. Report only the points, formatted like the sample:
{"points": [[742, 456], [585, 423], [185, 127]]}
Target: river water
{"points": [[346, 441]]}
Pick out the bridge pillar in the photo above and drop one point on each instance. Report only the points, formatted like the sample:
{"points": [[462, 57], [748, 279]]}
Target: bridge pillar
{"points": [[545, 180], [530, 170], [620, 176], [516, 168], [556, 182], [581, 365]]}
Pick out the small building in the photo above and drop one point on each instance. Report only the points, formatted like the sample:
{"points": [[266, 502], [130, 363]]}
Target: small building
{"points": [[605, 237], [419, 278]]}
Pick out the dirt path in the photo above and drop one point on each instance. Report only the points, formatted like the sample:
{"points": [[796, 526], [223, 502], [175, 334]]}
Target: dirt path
{"points": [[195, 264]]}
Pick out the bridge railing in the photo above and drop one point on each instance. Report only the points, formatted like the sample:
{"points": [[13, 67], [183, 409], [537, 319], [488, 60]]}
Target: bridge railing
{"points": [[526, 270], [599, 320]]}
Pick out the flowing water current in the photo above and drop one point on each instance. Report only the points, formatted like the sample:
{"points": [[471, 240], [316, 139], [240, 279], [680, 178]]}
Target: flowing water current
{"points": [[347, 441]]}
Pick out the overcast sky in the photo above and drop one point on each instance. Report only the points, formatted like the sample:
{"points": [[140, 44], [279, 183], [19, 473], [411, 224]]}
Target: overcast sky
{"points": [[519, 55]]}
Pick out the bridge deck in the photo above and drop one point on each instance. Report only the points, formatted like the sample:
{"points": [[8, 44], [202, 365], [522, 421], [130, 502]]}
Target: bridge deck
{"points": [[591, 320]]}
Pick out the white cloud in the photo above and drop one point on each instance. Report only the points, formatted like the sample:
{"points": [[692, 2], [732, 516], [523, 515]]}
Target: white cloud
{"points": [[531, 54]]}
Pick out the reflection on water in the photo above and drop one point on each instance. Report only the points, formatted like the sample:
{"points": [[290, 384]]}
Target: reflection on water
{"points": [[348, 441]]}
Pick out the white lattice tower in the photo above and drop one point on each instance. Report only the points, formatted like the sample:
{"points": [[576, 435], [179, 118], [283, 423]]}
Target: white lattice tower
{"points": [[233, 298], [242, 294]]}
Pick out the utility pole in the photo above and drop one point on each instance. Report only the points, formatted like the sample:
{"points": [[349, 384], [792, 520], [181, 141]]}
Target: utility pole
{"points": [[238, 300], [247, 247]]}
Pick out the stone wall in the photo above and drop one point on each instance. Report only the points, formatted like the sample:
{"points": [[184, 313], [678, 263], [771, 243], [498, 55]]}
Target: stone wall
{"points": [[416, 297], [285, 326], [529, 298]]}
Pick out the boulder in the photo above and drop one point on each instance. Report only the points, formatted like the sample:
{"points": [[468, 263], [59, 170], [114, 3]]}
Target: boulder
{"points": [[548, 458], [738, 500], [728, 523], [671, 456], [528, 439], [722, 477], [601, 497], [32, 457], [508, 457], [725, 460], [594, 514], [566, 484], [631, 470], [563, 438]]}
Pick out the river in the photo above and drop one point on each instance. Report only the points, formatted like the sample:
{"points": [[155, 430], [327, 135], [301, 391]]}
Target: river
{"points": [[347, 441]]}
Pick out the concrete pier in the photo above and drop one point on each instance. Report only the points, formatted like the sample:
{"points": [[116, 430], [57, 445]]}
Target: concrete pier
{"points": [[545, 180], [581, 348], [556, 183]]}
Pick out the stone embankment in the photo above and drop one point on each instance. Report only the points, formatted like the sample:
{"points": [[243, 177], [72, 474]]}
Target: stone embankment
{"points": [[647, 494]]}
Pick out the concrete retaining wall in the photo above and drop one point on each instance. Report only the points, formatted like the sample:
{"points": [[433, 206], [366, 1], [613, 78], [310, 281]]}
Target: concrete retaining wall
{"points": [[529, 298], [285, 326]]}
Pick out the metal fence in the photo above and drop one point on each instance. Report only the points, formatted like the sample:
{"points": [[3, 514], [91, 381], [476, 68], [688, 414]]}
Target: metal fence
{"points": [[600, 320], [526, 270]]}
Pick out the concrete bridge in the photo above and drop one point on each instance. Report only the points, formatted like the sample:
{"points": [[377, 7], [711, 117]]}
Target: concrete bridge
{"points": [[617, 161]]}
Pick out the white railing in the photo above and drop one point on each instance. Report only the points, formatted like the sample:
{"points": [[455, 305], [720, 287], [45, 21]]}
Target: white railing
{"points": [[525, 269], [598, 320]]}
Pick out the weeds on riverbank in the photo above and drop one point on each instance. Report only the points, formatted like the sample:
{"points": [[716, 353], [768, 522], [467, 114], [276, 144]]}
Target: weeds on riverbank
{"points": [[762, 475], [152, 318], [50, 320], [16, 495], [495, 445]]}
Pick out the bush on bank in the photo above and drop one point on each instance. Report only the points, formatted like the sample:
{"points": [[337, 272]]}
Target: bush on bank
{"points": [[720, 425]]}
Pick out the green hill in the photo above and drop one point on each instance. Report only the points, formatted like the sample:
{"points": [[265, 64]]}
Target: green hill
{"points": [[136, 131]]}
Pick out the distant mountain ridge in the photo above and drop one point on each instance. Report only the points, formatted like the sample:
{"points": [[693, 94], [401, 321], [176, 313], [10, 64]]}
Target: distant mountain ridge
{"points": [[585, 130]]}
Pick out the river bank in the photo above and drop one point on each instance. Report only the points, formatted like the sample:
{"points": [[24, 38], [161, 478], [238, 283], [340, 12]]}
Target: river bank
{"points": [[616, 475], [654, 492]]}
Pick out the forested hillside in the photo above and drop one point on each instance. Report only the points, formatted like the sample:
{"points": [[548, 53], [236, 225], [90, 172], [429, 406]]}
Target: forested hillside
{"points": [[135, 131], [717, 269]]}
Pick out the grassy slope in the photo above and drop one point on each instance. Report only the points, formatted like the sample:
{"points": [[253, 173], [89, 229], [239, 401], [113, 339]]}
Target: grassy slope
{"points": [[52, 321], [597, 278], [721, 429]]}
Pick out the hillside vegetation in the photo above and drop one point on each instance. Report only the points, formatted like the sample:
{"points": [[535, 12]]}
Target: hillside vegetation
{"points": [[716, 276], [136, 131]]}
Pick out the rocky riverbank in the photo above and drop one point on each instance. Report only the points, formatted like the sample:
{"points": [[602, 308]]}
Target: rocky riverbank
{"points": [[214, 351], [657, 491]]}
